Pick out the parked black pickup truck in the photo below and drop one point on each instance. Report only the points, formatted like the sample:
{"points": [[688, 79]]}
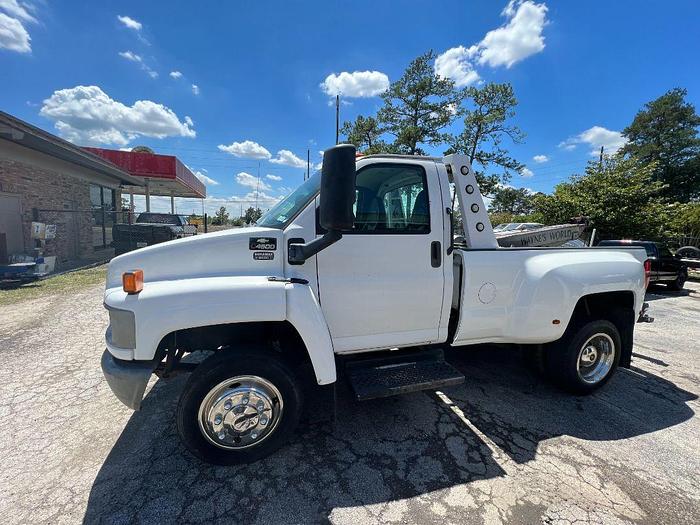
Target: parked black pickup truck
{"points": [[150, 228], [666, 268]]}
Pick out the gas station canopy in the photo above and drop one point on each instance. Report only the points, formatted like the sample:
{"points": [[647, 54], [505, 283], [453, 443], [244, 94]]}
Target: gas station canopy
{"points": [[163, 175]]}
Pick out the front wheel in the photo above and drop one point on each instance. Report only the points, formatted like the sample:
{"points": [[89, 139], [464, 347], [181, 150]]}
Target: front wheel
{"points": [[238, 407], [586, 358]]}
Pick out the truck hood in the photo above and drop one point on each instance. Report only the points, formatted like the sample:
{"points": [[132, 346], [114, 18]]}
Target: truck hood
{"points": [[235, 252]]}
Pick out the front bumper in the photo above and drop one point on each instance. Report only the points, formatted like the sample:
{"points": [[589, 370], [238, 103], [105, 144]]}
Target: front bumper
{"points": [[127, 379]]}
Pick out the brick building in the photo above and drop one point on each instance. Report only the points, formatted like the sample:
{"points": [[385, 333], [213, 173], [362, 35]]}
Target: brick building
{"points": [[44, 178]]}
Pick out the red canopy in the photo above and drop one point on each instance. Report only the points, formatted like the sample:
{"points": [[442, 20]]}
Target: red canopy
{"points": [[165, 174]]}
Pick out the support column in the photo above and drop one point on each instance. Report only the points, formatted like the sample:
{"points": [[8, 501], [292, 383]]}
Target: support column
{"points": [[172, 203], [131, 206], [148, 196]]}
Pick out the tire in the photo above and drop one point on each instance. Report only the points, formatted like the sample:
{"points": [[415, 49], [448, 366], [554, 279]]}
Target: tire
{"points": [[679, 283], [568, 360], [239, 407], [690, 252]]}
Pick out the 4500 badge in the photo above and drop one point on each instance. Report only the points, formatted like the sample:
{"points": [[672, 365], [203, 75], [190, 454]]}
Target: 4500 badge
{"points": [[261, 247], [262, 243]]}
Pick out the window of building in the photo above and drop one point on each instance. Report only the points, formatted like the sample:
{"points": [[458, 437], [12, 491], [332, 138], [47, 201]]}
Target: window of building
{"points": [[103, 203]]}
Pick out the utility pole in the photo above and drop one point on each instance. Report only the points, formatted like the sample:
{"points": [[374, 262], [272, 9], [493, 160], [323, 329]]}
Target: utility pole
{"points": [[600, 162], [308, 163], [257, 189], [337, 117]]}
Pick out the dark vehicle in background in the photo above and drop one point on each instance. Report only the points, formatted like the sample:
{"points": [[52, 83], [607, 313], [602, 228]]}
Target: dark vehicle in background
{"points": [[150, 228], [666, 268]]}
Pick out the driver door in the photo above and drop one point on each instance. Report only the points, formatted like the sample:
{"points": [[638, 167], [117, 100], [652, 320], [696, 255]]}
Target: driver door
{"points": [[381, 285]]}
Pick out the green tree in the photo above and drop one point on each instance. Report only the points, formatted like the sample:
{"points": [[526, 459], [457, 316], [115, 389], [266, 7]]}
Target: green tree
{"points": [[364, 133], [685, 219], [252, 215], [418, 106], [665, 132], [516, 201], [220, 217], [621, 200], [486, 124]]}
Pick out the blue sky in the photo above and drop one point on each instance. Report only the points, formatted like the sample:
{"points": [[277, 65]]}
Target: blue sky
{"points": [[118, 74]]}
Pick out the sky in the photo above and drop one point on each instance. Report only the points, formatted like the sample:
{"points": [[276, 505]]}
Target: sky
{"points": [[241, 90]]}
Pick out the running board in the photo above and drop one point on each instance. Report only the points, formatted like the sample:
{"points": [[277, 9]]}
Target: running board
{"points": [[400, 374]]}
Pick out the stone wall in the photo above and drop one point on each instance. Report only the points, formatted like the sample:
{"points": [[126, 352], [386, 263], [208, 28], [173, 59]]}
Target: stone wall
{"points": [[43, 188]]}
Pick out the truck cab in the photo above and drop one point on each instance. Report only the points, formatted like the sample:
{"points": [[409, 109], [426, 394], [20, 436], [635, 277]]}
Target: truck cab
{"points": [[359, 275]]}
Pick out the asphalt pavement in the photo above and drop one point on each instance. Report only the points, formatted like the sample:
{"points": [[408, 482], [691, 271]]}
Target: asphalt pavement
{"points": [[505, 447]]}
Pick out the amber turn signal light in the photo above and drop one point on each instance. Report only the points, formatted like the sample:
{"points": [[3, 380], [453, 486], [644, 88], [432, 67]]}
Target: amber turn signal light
{"points": [[132, 281]]}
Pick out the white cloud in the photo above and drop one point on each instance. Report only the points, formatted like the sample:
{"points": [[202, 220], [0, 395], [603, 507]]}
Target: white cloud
{"points": [[276, 178], [195, 89], [17, 10], [540, 159], [356, 84], [287, 158], [456, 64], [566, 145], [86, 114], [130, 22], [251, 181], [255, 198], [205, 178], [596, 137], [13, 35], [138, 59], [246, 149], [133, 57], [234, 204], [520, 37], [526, 173], [175, 74]]}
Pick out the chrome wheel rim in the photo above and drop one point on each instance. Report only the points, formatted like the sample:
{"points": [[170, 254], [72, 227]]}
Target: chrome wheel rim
{"points": [[240, 412], [595, 358]]}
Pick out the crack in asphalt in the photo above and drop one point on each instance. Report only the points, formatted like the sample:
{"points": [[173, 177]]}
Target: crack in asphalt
{"points": [[503, 448]]}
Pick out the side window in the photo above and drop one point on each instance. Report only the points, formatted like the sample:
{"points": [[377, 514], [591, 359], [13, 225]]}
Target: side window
{"points": [[665, 252], [392, 198]]}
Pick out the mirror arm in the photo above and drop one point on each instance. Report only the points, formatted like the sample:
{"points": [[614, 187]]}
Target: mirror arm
{"points": [[299, 253]]}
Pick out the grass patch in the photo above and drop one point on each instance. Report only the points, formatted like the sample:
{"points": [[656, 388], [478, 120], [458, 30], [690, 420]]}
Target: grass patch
{"points": [[66, 283]]}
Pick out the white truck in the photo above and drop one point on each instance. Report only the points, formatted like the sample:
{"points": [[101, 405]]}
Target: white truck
{"points": [[356, 275]]}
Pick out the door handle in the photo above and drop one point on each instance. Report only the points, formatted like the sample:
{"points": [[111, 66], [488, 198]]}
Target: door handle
{"points": [[435, 254]]}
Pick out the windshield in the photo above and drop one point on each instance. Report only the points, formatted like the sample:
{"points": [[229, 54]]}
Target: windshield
{"points": [[510, 227], [285, 210]]}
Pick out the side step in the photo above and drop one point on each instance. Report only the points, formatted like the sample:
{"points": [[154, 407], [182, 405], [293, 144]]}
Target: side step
{"points": [[400, 373]]}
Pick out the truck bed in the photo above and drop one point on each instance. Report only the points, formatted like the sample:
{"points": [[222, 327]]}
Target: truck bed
{"points": [[527, 295]]}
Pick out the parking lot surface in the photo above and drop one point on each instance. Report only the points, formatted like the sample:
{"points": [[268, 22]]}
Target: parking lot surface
{"points": [[504, 448]]}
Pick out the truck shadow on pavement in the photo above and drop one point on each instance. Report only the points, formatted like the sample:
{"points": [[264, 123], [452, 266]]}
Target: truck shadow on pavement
{"points": [[377, 451], [657, 292]]}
